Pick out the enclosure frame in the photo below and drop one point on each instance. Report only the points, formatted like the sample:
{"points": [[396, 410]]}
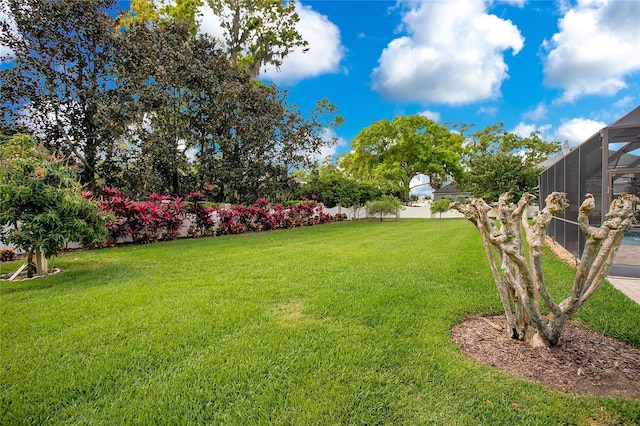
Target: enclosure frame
{"points": [[605, 173]]}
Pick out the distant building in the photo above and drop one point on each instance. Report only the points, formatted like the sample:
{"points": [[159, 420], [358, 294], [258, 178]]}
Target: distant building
{"points": [[605, 165], [451, 192]]}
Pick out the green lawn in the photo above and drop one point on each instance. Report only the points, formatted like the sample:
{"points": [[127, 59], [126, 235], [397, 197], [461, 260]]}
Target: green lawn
{"points": [[345, 323]]}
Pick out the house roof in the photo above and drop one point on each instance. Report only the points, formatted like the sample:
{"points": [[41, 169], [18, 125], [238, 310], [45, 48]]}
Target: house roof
{"points": [[451, 188]]}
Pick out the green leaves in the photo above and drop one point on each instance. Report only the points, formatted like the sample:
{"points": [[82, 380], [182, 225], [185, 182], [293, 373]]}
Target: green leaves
{"points": [[385, 205], [499, 161], [393, 152], [493, 175], [40, 201]]}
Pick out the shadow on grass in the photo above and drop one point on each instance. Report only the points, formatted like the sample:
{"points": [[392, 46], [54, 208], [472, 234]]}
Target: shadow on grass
{"points": [[74, 274]]}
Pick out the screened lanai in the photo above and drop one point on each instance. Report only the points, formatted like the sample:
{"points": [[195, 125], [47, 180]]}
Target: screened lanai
{"points": [[605, 165]]}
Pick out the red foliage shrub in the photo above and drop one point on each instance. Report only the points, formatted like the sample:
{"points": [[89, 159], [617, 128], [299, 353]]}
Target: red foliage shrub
{"points": [[146, 221], [7, 255], [162, 216]]}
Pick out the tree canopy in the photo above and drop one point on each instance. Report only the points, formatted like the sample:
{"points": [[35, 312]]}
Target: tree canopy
{"points": [[495, 139], [392, 152], [61, 81], [150, 106], [498, 161], [493, 175], [258, 32], [332, 187]]}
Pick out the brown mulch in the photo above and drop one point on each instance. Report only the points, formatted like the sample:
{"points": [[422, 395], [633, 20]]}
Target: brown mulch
{"points": [[585, 362]]}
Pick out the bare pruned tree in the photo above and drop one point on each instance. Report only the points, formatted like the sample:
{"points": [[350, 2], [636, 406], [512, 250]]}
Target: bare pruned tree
{"points": [[520, 280]]}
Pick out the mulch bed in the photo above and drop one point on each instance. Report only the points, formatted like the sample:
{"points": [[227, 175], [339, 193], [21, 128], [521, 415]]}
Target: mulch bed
{"points": [[584, 362]]}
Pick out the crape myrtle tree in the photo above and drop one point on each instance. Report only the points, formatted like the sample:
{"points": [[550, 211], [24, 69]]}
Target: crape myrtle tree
{"points": [[391, 153], [498, 161], [41, 204], [532, 315], [59, 79]]}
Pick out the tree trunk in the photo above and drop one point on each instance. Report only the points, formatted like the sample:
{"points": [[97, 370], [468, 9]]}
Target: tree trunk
{"points": [[41, 263], [520, 280]]}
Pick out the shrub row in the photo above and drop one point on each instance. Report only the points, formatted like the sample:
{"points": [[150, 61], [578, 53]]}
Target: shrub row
{"points": [[164, 217]]}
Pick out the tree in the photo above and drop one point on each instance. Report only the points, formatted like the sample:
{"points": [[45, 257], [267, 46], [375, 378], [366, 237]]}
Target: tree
{"points": [[60, 82], [41, 205], [332, 187], [155, 11], [521, 282], [495, 174], [441, 206], [391, 153], [258, 32], [498, 161], [161, 66], [385, 205]]}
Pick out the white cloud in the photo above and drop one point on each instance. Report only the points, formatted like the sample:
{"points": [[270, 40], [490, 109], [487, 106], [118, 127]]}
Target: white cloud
{"points": [[538, 113], [487, 111], [518, 3], [210, 23], [324, 44], [454, 54], [577, 130], [625, 102], [324, 54], [525, 129], [598, 45], [431, 115]]}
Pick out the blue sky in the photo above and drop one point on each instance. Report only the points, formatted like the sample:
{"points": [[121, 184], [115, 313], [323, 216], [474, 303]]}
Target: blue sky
{"points": [[564, 68]]}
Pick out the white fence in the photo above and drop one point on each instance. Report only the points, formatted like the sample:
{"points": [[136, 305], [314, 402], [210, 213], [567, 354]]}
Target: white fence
{"points": [[406, 212]]}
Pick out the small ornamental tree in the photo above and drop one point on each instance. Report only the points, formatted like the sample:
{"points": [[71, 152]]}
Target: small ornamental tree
{"points": [[41, 205], [441, 206], [520, 281], [386, 205]]}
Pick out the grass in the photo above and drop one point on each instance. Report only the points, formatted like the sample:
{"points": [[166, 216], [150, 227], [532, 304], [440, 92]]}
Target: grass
{"points": [[345, 323]]}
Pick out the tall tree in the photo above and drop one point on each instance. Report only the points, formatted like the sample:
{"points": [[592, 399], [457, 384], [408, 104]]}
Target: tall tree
{"points": [[393, 152], [159, 65], [495, 139], [155, 11], [60, 81], [258, 32], [245, 138], [493, 175], [498, 161]]}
